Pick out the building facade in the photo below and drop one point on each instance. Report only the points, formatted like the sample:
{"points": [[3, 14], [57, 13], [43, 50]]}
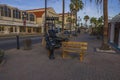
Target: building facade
{"points": [[16, 21], [40, 17], [114, 31], [69, 20], [13, 20]]}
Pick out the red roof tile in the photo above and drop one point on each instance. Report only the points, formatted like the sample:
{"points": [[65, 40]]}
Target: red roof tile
{"points": [[38, 13]]}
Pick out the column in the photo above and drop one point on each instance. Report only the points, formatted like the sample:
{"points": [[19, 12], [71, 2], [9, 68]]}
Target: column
{"points": [[12, 13], [119, 39], [26, 29], [112, 31], [42, 30], [13, 29], [32, 30], [18, 29], [6, 30]]}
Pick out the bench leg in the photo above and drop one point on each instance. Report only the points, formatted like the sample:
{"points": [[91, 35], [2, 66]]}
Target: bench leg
{"points": [[48, 52], [43, 42], [63, 54], [81, 57]]}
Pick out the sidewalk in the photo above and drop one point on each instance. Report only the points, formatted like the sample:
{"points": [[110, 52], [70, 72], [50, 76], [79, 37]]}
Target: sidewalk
{"points": [[35, 65]]}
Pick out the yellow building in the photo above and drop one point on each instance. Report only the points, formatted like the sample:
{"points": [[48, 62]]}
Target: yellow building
{"points": [[40, 16], [15, 21], [67, 23]]}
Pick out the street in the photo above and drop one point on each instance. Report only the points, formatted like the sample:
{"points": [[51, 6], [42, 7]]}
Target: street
{"points": [[9, 43], [34, 64]]}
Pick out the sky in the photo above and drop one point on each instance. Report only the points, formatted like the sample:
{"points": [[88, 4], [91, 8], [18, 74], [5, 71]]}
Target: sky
{"points": [[90, 9]]}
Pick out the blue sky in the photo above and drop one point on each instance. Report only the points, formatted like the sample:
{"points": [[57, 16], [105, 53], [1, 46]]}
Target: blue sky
{"points": [[90, 8]]}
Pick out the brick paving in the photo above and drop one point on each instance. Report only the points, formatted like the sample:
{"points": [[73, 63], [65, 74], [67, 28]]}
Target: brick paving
{"points": [[35, 65]]}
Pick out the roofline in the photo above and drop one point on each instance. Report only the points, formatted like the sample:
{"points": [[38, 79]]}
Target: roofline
{"points": [[38, 9]]}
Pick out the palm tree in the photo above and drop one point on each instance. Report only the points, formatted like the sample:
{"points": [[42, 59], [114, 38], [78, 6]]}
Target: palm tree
{"points": [[100, 20], [75, 6], [93, 20], [86, 18], [105, 28]]}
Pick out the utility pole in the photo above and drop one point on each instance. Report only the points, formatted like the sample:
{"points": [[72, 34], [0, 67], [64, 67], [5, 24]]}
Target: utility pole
{"points": [[45, 26], [63, 14]]}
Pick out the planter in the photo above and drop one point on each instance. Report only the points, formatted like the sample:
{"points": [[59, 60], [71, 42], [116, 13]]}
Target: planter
{"points": [[1, 55]]}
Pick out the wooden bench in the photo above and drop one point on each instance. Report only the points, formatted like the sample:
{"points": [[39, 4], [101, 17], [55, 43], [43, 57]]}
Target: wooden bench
{"points": [[75, 47]]}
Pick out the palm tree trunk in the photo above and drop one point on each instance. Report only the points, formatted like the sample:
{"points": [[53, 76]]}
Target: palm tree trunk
{"points": [[63, 15], [105, 45], [76, 19]]}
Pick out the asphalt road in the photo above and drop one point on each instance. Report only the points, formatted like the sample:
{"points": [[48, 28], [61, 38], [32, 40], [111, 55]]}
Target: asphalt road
{"points": [[9, 43]]}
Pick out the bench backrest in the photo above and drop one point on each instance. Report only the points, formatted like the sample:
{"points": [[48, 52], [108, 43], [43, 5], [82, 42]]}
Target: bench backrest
{"points": [[76, 45]]}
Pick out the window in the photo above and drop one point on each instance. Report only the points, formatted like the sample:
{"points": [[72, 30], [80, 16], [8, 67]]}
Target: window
{"points": [[32, 18], [11, 29], [16, 14], [2, 11], [5, 11], [1, 28], [27, 16], [19, 15], [9, 12]]}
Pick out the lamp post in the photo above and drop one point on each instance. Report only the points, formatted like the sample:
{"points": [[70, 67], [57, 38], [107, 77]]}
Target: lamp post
{"points": [[24, 24], [24, 20], [18, 43]]}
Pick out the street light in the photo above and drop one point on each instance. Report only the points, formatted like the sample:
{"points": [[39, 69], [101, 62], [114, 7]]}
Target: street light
{"points": [[24, 24], [24, 15]]}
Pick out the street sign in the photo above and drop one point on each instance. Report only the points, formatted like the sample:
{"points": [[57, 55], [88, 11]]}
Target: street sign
{"points": [[52, 18]]}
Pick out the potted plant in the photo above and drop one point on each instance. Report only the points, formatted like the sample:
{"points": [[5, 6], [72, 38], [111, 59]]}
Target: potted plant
{"points": [[1, 55]]}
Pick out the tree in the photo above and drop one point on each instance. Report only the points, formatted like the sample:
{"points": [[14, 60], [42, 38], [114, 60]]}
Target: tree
{"points": [[105, 45], [86, 18], [97, 30], [75, 6], [93, 20]]}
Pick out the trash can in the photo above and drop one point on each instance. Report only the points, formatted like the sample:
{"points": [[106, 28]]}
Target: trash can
{"points": [[27, 44]]}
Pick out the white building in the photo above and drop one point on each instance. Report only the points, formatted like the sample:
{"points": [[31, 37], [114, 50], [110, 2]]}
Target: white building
{"points": [[114, 31]]}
